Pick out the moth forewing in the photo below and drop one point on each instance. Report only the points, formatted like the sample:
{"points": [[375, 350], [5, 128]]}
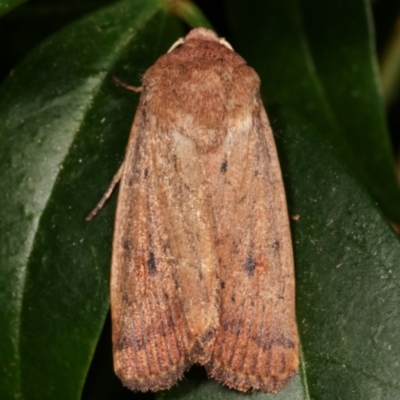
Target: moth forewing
{"points": [[202, 266], [257, 343], [164, 297]]}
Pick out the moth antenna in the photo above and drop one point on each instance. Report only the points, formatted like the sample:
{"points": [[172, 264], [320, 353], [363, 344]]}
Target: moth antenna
{"points": [[225, 43], [179, 42]]}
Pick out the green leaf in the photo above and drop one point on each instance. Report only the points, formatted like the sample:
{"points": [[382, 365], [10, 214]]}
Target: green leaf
{"points": [[346, 269], [189, 13], [7, 5], [351, 80], [318, 57], [63, 128]]}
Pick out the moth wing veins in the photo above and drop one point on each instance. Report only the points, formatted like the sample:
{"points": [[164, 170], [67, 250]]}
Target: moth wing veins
{"points": [[164, 266], [256, 346], [192, 230]]}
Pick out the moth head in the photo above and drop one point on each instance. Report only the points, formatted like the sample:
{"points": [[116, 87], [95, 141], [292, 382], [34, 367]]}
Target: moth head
{"points": [[200, 34]]}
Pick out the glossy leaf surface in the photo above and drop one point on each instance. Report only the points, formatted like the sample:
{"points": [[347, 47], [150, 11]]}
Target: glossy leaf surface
{"points": [[318, 57]]}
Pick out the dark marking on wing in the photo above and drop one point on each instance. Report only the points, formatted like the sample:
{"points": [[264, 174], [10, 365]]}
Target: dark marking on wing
{"points": [[250, 265], [279, 341], [209, 335], [276, 245], [283, 363], [151, 264], [126, 299], [177, 164], [226, 325], [123, 343], [164, 328], [131, 181], [126, 342], [242, 199], [224, 166], [127, 245], [237, 332]]}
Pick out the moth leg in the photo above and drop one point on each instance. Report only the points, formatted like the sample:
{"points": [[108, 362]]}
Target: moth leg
{"points": [[136, 89], [107, 194]]}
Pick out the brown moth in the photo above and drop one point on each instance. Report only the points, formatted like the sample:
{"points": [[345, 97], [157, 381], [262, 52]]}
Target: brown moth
{"points": [[202, 265]]}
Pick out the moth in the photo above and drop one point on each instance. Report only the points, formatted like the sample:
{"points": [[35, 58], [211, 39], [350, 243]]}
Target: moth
{"points": [[202, 264]]}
